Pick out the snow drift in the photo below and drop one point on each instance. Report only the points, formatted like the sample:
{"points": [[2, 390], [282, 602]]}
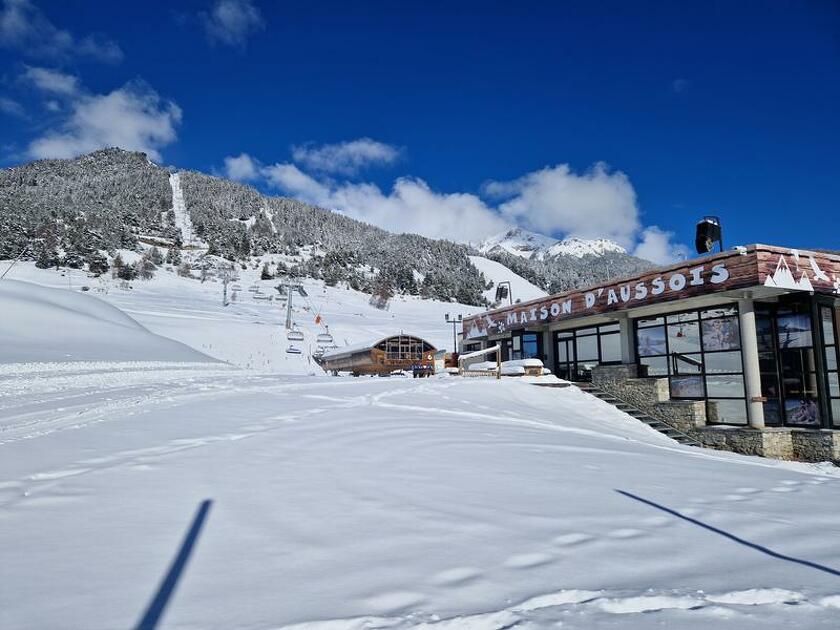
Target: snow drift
{"points": [[44, 324]]}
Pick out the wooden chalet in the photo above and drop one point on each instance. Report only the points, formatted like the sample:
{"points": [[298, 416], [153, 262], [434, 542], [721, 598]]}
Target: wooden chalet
{"points": [[382, 357]]}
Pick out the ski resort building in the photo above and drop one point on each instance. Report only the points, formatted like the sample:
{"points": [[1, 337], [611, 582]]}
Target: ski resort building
{"points": [[739, 349], [382, 357]]}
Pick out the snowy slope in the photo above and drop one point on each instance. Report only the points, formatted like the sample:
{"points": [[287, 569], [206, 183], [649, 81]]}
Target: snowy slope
{"points": [[182, 216], [47, 324], [250, 333], [525, 244], [497, 272], [344, 503], [340, 503]]}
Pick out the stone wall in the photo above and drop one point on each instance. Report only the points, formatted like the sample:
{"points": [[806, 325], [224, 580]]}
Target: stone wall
{"points": [[652, 396]]}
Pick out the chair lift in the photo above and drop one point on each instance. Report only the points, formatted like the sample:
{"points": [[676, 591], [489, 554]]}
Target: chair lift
{"points": [[324, 337], [293, 350], [294, 334]]}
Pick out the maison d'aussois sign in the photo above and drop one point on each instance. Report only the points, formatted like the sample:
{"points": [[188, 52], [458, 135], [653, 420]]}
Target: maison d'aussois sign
{"points": [[771, 267]]}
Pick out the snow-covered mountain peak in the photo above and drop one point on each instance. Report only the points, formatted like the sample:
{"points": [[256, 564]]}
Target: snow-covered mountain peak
{"points": [[525, 244], [580, 247], [518, 242]]}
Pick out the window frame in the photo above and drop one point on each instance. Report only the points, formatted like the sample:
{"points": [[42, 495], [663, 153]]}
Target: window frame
{"points": [[698, 316]]}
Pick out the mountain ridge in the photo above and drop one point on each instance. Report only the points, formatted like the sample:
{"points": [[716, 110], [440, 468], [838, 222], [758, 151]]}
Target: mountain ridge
{"points": [[112, 199]]}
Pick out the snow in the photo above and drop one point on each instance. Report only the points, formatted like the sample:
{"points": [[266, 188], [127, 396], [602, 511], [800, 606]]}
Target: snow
{"points": [[343, 503], [382, 503], [525, 244], [250, 333], [579, 247], [47, 324], [182, 215], [497, 272]]}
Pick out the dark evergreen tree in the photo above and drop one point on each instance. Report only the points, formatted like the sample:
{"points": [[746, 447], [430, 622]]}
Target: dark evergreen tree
{"points": [[97, 263], [155, 256], [173, 255]]}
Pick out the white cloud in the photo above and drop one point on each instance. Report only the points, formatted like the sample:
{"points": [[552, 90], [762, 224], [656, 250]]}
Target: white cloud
{"points": [[597, 203], [680, 85], [23, 26], [230, 22], [411, 206], [51, 80], [11, 107], [291, 179], [345, 158], [242, 167], [656, 246], [133, 117]]}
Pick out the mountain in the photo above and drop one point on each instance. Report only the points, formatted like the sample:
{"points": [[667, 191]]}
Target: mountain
{"points": [[68, 212], [533, 246]]}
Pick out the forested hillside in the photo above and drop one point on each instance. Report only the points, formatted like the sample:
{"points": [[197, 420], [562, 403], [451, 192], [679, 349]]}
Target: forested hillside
{"points": [[68, 211]]}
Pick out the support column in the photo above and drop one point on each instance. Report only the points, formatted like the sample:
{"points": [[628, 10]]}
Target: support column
{"points": [[628, 347], [749, 353]]}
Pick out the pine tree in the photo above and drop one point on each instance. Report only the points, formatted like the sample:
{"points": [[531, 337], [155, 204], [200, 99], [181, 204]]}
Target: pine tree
{"points": [[146, 268], [155, 256], [266, 273], [97, 263], [126, 272], [173, 255]]}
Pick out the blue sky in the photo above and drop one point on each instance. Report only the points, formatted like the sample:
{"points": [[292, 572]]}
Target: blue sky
{"points": [[627, 120]]}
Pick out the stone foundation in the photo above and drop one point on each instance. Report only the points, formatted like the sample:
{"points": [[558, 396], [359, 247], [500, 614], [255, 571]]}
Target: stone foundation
{"points": [[651, 396]]}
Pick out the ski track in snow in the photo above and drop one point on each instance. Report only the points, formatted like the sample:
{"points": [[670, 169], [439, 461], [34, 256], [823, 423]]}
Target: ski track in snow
{"points": [[182, 216]]}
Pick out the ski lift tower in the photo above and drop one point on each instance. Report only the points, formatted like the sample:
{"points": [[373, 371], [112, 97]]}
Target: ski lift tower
{"points": [[288, 288]]}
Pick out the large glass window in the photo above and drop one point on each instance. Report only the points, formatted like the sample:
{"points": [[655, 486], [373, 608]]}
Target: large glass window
{"points": [[700, 353], [525, 345], [829, 336], [579, 350], [788, 364]]}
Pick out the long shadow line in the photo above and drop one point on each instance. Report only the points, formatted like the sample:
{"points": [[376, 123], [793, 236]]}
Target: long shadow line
{"points": [[733, 537], [154, 611]]}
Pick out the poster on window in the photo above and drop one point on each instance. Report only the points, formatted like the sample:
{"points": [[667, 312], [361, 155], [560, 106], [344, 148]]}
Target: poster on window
{"points": [[651, 341], [687, 387], [802, 412], [794, 331], [721, 334]]}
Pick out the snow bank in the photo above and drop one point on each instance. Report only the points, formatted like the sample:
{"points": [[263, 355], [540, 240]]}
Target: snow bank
{"points": [[42, 324], [517, 367]]}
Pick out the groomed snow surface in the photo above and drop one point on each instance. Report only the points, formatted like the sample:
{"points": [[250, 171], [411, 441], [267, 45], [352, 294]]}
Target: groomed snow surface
{"points": [[342, 503], [496, 272]]}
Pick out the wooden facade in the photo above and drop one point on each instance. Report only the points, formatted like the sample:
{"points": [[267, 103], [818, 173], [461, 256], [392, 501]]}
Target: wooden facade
{"points": [[761, 267], [382, 357]]}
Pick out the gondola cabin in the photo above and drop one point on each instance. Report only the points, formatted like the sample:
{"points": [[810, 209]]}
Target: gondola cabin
{"points": [[382, 357]]}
